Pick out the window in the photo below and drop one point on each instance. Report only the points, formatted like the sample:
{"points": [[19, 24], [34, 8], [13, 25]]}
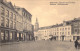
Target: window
{"points": [[75, 30], [57, 29], [24, 13], [7, 22], [65, 28], [7, 13], [2, 21], [6, 35], [68, 33], [68, 28], [60, 29], [11, 35], [75, 24], [14, 25], [11, 15], [55, 33], [11, 24], [14, 17], [2, 35], [2, 11]]}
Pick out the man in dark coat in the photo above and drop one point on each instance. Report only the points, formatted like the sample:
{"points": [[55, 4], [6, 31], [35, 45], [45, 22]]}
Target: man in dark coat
{"points": [[76, 44]]}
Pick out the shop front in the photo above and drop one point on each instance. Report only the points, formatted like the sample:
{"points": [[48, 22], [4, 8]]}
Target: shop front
{"points": [[19, 36], [7, 35], [4, 35], [76, 38]]}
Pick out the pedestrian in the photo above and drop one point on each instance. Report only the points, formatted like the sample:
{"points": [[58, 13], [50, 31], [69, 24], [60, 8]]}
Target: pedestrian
{"points": [[76, 44]]}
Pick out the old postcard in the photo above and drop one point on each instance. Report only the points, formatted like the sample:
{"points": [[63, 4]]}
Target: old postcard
{"points": [[39, 25]]}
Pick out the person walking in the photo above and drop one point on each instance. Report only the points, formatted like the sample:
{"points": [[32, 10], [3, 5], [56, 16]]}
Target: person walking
{"points": [[76, 44]]}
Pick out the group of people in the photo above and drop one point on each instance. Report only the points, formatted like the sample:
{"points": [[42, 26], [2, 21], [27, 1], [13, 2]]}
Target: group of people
{"points": [[77, 44]]}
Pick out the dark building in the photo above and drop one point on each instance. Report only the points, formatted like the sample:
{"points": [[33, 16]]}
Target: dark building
{"points": [[75, 24]]}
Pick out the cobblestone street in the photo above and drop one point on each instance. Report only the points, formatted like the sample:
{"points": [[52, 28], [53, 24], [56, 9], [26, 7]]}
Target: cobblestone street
{"points": [[39, 46]]}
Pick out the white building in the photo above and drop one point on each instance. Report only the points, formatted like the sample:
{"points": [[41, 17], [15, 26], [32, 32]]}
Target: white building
{"points": [[61, 32]]}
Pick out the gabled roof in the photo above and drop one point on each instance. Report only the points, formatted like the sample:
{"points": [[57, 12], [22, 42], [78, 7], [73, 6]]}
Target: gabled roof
{"points": [[26, 11], [23, 9], [9, 5]]}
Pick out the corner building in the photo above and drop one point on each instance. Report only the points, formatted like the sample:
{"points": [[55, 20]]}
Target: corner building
{"points": [[12, 24]]}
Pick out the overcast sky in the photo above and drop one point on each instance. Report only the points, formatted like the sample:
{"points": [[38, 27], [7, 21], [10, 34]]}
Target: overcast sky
{"points": [[50, 14]]}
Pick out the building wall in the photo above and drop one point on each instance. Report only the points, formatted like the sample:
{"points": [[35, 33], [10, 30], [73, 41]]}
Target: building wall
{"points": [[12, 24], [69, 31], [76, 29], [26, 20], [62, 33], [7, 23]]}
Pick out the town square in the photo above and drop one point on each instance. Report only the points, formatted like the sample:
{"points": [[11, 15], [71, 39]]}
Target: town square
{"points": [[39, 46], [39, 25]]}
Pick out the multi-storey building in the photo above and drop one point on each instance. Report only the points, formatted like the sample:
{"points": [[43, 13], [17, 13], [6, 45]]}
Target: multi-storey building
{"points": [[61, 32], [26, 19], [75, 25], [13, 24], [7, 21], [66, 31]]}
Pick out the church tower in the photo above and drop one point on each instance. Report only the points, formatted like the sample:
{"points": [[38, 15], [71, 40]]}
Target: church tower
{"points": [[36, 25]]}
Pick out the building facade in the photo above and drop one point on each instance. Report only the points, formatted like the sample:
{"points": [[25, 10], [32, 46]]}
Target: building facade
{"points": [[66, 31], [26, 19], [75, 25], [13, 25]]}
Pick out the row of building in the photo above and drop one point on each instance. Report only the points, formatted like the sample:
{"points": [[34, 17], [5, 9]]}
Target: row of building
{"points": [[66, 31], [15, 23]]}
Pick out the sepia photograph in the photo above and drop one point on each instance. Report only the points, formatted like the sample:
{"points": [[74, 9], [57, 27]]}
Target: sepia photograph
{"points": [[39, 25]]}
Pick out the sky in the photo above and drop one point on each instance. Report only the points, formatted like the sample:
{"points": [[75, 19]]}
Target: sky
{"points": [[50, 14]]}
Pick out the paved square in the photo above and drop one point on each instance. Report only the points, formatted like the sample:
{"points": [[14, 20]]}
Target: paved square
{"points": [[40, 46]]}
